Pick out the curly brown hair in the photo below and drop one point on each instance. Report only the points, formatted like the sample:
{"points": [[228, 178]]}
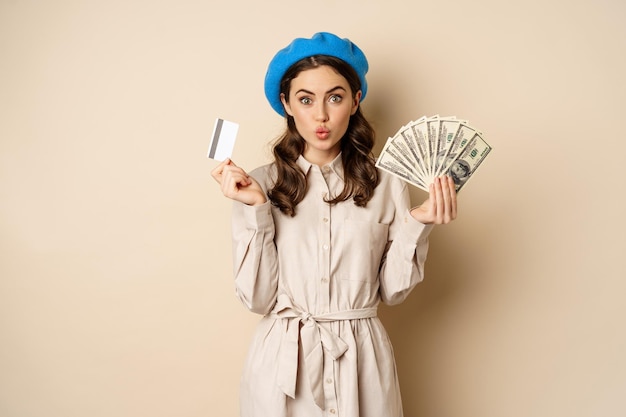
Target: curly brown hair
{"points": [[360, 174]]}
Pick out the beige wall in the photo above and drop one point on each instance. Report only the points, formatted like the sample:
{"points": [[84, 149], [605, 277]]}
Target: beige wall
{"points": [[116, 295]]}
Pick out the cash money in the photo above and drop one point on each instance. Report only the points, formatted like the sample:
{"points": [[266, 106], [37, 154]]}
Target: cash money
{"points": [[433, 146]]}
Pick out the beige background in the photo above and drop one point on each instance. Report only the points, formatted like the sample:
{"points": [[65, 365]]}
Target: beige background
{"points": [[116, 294]]}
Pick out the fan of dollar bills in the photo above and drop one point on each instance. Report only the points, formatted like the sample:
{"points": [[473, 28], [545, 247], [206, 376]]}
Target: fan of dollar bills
{"points": [[434, 146]]}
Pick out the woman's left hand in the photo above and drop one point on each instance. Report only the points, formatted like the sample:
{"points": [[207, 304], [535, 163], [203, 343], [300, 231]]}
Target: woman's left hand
{"points": [[440, 207]]}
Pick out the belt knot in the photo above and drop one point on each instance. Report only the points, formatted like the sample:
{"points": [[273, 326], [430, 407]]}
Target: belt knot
{"points": [[316, 340]]}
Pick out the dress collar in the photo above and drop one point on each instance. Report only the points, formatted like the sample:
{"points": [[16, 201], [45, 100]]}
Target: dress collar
{"points": [[336, 165]]}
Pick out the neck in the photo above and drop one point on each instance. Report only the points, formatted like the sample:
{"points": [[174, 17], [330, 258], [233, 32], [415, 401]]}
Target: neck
{"points": [[320, 158]]}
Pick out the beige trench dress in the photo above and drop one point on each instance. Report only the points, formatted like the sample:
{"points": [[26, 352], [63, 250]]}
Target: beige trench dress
{"points": [[317, 279]]}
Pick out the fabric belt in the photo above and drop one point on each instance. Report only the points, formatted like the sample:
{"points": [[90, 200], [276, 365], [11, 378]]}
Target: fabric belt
{"points": [[316, 341]]}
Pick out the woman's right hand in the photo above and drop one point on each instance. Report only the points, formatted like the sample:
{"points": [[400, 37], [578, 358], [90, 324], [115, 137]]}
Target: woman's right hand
{"points": [[236, 184]]}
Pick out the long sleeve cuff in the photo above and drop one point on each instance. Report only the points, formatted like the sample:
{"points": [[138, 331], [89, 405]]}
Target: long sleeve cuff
{"points": [[415, 230], [258, 217]]}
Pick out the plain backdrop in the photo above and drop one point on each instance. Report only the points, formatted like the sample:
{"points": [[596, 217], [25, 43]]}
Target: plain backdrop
{"points": [[116, 292]]}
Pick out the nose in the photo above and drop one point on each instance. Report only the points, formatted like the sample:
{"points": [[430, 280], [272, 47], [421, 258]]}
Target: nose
{"points": [[321, 113]]}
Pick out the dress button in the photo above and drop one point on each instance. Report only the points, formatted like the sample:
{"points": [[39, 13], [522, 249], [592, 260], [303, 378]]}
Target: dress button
{"points": [[329, 381], [332, 411], [324, 280], [325, 247]]}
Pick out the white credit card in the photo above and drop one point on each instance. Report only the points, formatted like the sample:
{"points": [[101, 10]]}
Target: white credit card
{"points": [[222, 139]]}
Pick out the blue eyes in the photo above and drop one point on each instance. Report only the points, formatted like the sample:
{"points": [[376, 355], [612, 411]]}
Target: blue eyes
{"points": [[335, 98]]}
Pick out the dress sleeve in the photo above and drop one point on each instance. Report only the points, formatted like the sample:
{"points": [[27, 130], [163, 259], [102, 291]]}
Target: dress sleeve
{"points": [[254, 256], [402, 266]]}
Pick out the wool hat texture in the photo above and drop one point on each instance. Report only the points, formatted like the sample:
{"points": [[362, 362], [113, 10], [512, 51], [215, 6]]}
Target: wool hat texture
{"points": [[322, 43]]}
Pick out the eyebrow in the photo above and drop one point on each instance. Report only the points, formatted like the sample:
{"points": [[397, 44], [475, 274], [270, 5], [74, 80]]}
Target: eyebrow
{"points": [[302, 90]]}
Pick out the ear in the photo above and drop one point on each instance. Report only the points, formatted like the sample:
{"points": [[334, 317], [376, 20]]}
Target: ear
{"points": [[355, 102], [285, 104]]}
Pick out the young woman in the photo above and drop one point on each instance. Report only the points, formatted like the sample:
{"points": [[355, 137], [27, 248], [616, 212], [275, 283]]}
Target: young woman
{"points": [[320, 238]]}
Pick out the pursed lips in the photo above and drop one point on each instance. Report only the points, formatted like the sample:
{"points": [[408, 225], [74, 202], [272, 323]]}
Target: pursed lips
{"points": [[322, 132]]}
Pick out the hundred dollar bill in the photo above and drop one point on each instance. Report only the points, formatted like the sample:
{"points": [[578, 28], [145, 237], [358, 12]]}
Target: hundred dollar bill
{"points": [[448, 127], [468, 160], [393, 162], [405, 142], [432, 130], [420, 134], [457, 143]]}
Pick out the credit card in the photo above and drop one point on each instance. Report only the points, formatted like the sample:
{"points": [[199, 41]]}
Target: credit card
{"points": [[222, 139]]}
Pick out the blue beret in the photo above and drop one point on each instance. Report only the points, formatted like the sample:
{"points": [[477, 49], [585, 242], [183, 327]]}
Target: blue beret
{"points": [[321, 43]]}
